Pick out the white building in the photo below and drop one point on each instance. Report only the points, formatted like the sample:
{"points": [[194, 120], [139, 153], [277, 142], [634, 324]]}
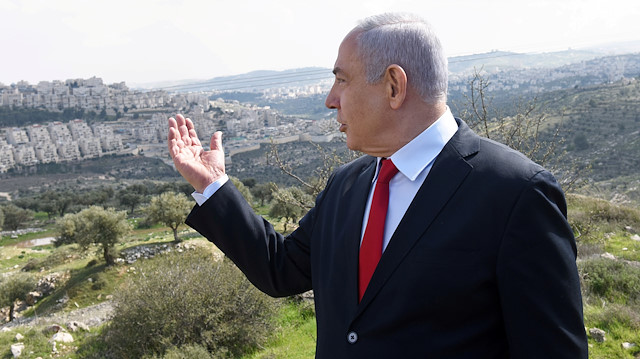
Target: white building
{"points": [[59, 132], [12, 98], [68, 151], [79, 129], [17, 136], [90, 147], [6, 156], [24, 155], [46, 152], [38, 134]]}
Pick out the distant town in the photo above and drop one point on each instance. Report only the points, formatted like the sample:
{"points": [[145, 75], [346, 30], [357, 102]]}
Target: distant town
{"points": [[141, 122]]}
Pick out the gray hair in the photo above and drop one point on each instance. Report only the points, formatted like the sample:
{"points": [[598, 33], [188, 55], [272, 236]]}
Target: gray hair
{"points": [[409, 42]]}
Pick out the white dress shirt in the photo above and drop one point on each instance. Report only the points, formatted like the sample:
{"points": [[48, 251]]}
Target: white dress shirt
{"points": [[413, 161]]}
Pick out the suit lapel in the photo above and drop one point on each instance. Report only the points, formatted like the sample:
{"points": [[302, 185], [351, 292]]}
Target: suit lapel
{"points": [[447, 174]]}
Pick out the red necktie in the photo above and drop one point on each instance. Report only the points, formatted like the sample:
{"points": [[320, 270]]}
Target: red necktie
{"points": [[371, 247]]}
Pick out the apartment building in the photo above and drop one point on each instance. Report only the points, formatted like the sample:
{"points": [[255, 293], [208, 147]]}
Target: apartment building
{"points": [[7, 160], [79, 129], [68, 150], [17, 136], [46, 152], [24, 155], [90, 147], [38, 134]]}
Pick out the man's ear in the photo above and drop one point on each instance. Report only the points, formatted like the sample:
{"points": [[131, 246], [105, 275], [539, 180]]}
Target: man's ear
{"points": [[396, 83]]}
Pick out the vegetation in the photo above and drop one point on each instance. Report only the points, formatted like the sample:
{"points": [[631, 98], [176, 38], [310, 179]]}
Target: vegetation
{"points": [[610, 291], [169, 209], [186, 299], [608, 262], [13, 288], [15, 217], [94, 225], [290, 204]]}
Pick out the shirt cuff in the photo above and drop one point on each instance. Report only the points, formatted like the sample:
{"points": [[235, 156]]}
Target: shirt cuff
{"points": [[210, 190]]}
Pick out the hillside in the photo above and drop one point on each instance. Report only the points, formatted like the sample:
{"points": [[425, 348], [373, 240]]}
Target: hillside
{"points": [[602, 125]]}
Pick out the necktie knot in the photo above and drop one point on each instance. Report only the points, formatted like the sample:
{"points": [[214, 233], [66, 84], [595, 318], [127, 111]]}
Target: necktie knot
{"points": [[387, 171]]}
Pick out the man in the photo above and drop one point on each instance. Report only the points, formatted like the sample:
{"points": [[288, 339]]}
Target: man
{"points": [[465, 252]]}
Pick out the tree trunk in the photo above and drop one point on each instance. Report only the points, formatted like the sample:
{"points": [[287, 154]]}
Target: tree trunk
{"points": [[108, 257], [175, 235], [11, 312]]}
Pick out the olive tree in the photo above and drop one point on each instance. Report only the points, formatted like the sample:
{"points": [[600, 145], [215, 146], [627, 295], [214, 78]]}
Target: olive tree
{"points": [[290, 204], [94, 225], [15, 287], [15, 217], [169, 209]]}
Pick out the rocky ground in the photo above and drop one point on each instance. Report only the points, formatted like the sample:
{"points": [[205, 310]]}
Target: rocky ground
{"points": [[92, 316]]}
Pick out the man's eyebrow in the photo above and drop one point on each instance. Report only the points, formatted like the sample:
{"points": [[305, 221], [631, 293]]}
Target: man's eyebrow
{"points": [[336, 70]]}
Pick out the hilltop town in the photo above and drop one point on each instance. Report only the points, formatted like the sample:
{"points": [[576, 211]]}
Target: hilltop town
{"points": [[138, 122]]}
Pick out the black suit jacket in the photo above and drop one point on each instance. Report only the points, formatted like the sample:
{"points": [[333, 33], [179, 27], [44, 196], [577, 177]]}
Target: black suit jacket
{"points": [[482, 265]]}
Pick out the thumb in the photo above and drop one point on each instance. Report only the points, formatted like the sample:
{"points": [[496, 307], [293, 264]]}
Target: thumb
{"points": [[216, 141]]}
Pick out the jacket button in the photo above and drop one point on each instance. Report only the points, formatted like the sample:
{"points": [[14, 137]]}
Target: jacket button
{"points": [[352, 337]]}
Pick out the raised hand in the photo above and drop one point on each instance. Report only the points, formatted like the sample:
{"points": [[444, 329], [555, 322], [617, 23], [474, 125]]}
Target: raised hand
{"points": [[199, 167]]}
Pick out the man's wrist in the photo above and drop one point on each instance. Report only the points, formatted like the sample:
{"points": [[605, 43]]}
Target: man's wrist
{"points": [[203, 196]]}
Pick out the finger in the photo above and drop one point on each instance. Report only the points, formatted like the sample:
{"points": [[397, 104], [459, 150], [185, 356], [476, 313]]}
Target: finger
{"points": [[173, 125], [193, 135], [180, 120], [184, 133], [194, 138], [182, 126], [216, 141]]}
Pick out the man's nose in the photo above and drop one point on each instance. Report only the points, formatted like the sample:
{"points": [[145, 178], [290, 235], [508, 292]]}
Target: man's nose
{"points": [[331, 101]]}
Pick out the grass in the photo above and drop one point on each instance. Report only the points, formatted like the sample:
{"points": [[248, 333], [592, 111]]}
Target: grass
{"points": [[296, 338], [611, 287], [8, 241], [11, 256], [618, 330], [622, 246], [36, 343]]}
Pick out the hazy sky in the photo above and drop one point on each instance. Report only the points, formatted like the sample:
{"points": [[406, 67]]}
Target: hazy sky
{"points": [[140, 41]]}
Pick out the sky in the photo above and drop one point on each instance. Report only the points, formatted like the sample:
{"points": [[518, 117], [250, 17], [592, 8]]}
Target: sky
{"points": [[143, 41]]}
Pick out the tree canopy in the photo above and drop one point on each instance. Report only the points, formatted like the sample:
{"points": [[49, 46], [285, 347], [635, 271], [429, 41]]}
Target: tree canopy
{"points": [[94, 225], [170, 209]]}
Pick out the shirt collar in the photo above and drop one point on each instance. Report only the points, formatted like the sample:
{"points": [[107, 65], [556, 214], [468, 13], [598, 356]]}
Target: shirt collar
{"points": [[416, 155]]}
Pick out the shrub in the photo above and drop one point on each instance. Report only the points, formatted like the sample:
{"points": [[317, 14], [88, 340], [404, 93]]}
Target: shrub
{"points": [[627, 316], [585, 211], [98, 282], [189, 298], [189, 351], [611, 280]]}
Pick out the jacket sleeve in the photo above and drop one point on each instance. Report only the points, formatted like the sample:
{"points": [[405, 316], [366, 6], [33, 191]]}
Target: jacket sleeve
{"points": [[538, 280], [276, 265]]}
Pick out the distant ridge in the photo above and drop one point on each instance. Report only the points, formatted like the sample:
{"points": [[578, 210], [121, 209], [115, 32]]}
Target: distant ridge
{"points": [[254, 80], [502, 60], [493, 61]]}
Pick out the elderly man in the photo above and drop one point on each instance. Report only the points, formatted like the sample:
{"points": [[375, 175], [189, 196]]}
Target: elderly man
{"points": [[436, 244]]}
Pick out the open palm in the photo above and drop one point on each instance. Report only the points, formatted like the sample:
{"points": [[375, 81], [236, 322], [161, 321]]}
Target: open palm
{"points": [[199, 167]]}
